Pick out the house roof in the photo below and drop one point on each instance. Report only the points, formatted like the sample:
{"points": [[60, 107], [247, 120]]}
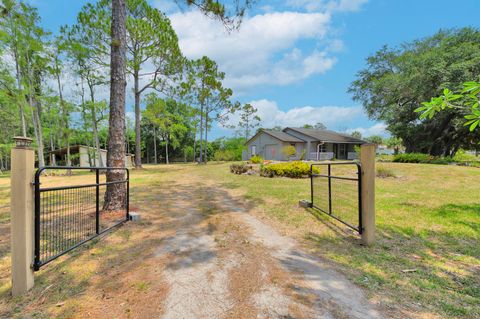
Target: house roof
{"points": [[279, 135], [326, 135]]}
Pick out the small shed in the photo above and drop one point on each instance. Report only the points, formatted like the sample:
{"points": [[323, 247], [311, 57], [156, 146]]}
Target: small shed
{"points": [[83, 156]]}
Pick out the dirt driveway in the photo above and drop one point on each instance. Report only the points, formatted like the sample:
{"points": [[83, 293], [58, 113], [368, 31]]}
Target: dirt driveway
{"points": [[199, 252], [223, 262]]}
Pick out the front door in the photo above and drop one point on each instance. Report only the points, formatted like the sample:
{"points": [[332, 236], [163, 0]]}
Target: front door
{"points": [[335, 151]]}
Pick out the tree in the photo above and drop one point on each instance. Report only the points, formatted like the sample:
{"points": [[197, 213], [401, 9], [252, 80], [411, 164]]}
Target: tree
{"points": [[375, 139], [203, 88], [115, 195], [24, 41], [395, 143], [356, 134], [320, 126], [151, 42], [396, 82], [307, 126], [467, 100], [86, 43], [248, 119]]}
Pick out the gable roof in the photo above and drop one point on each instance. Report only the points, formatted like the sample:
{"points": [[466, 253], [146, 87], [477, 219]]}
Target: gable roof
{"points": [[279, 135], [326, 135]]}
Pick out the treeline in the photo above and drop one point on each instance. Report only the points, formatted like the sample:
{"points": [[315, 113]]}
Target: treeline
{"points": [[397, 81], [54, 86]]}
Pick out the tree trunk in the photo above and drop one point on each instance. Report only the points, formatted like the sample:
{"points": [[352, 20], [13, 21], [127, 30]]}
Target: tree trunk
{"points": [[99, 161], [206, 140], [138, 147], [155, 144], [195, 142], [201, 134], [19, 87], [115, 196], [52, 148], [166, 151], [37, 127], [66, 133]]}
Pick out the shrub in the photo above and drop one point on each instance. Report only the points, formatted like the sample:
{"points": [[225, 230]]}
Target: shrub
{"points": [[294, 169], [225, 155], [413, 158], [239, 168], [289, 151], [384, 172], [385, 158], [256, 159], [462, 156]]}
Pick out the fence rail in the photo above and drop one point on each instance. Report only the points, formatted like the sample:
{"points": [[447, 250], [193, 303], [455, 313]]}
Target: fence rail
{"points": [[69, 216], [338, 196]]}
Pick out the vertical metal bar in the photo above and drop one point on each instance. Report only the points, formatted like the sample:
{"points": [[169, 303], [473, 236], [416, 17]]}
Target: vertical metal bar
{"points": [[97, 209], [128, 194], [360, 225], [36, 263], [329, 189]]}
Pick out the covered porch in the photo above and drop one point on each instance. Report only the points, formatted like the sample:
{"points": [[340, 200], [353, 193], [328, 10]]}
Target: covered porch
{"points": [[319, 151]]}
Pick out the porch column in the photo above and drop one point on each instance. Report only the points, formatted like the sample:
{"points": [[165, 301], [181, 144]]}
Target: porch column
{"points": [[308, 150]]}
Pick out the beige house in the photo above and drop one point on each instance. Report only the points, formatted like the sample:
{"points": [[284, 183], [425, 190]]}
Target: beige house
{"points": [[83, 156], [310, 144]]}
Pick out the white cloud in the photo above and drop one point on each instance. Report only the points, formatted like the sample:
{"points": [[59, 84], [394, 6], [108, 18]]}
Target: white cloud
{"points": [[332, 116], [376, 129], [329, 6], [262, 51]]}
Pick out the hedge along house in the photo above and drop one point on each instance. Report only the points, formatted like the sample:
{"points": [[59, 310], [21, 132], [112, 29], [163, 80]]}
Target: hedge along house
{"points": [[310, 144], [83, 156]]}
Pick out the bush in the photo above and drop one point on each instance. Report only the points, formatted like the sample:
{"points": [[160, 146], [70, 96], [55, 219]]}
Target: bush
{"points": [[294, 169], [385, 158], [256, 159], [289, 151], [384, 172], [225, 155], [239, 168], [413, 158], [462, 156]]}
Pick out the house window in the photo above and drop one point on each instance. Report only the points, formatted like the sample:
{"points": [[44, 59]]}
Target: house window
{"points": [[322, 148], [254, 150]]}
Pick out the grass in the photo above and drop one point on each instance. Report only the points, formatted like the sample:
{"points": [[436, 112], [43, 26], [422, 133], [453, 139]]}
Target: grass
{"points": [[427, 255], [426, 260]]}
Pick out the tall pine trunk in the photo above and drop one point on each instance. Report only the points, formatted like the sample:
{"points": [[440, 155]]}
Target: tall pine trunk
{"points": [[201, 134], [65, 117], [155, 144], [93, 110], [138, 147], [206, 140], [115, 196], [195, 142], [166, 150]]}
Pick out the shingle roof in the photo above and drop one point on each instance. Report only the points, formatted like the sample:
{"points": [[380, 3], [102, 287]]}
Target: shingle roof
{"points": [[279, 135], [282, 136], [326, 135]]}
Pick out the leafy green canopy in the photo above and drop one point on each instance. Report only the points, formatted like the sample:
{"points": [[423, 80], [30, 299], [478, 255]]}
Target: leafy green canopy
{"points": [[396, 81]]}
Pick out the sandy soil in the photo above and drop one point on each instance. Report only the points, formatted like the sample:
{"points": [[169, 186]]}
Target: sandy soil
{"points": [[223, 262]]}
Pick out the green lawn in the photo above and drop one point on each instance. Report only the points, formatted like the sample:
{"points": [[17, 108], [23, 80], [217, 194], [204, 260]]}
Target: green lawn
{"points": [[426, 259], [427, 255]]}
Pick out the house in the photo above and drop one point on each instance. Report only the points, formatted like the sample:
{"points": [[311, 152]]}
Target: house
{"points": [[310, 144], [83, 156]]}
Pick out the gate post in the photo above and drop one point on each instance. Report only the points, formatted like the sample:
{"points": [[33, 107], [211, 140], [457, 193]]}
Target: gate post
{"points": [[22, 215], [367, 160]]}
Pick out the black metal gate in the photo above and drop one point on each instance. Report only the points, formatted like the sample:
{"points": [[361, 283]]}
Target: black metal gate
{"points": [[338, 194], [69, 216]]}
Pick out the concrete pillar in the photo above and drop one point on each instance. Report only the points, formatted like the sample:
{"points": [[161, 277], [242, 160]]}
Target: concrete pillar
{"points": [[367, 160], [22, 215]]}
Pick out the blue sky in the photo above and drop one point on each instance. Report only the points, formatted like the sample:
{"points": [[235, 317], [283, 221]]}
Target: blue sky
{"points": [[295, 59]]}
